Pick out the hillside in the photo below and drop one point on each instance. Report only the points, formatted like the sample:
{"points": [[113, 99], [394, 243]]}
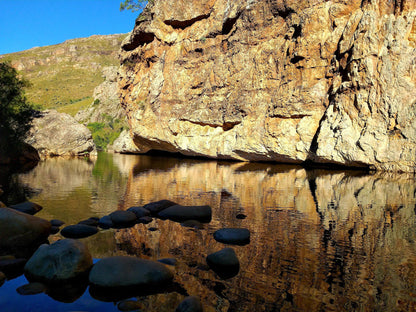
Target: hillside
{"points": [[63, 76]]}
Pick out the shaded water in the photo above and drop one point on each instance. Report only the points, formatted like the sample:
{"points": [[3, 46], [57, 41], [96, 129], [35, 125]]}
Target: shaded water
{"points": [[320, 240]]}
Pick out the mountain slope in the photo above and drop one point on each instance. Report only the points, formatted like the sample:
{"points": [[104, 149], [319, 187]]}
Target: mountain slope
{"points": [[63, 76]]}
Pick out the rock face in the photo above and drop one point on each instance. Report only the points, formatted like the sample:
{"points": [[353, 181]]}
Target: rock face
{"points": [[282, 80], [58, 134], [106, 102], [124, 144]]}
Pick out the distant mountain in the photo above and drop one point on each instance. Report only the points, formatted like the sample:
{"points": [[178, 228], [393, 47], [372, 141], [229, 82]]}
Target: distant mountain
{"points": [[63, 76]]}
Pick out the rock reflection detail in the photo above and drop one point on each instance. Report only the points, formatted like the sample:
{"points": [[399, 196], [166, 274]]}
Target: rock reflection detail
{"points": [[319, 240]]}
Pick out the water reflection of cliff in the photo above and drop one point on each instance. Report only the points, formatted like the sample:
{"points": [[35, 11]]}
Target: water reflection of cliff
{"points": [[320, 240]]}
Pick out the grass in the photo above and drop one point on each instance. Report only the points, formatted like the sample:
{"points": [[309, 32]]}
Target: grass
{"points": [[73, 108], [63, 73]]}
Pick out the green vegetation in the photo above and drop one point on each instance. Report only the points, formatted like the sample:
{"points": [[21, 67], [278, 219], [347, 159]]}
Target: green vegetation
{"points": [[134, 5], [16, 113], [104, 133], [66, 73]]}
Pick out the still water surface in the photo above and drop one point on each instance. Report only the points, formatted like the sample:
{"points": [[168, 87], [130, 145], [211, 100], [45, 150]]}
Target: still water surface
{"points": [[320, 240]]}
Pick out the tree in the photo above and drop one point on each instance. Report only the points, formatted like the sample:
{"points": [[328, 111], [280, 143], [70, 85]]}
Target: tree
{"points": [[133, 5], [16, 113]]}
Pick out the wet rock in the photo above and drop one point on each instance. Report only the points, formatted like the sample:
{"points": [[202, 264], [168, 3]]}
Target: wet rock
{"points": [[190, 304], [55, 229], [193, 224], [156, 207], [233, 236], [2, 278], [78, 231], [57, 223], [129, 305], [122, 219], [12, 267], [224, 262], [90, 221], [27, 207], [105, 222], [145, 220], [139, 211], [241, 216], [181, 213], [31, 289], [168, 261], [20, 232], [63, 260], [126, 271]]}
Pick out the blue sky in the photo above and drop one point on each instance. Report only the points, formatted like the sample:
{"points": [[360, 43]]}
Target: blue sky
{"points": [[25, 24]]}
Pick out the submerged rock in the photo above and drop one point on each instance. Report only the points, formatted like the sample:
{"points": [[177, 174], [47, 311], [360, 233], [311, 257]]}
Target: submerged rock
{"points": [[65, 259], [19, 231], [233, 236], [181, 213], [224, 262], [27, 207], [78, 231], [156, 207], [127, 271], [190, 304]]}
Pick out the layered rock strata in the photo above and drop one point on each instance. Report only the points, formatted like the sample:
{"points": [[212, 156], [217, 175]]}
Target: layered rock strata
{"points": [[282, 80]]}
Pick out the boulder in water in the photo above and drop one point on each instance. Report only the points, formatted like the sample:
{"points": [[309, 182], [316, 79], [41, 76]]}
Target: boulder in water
{"points": [[27, 207], [224, 262], [65, 259], [123, 219], [78, 231], [181, 213], [158, 206], [233, 236]]}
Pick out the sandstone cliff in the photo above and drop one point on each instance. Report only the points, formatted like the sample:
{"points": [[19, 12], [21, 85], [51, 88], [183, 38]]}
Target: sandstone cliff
{"points": [[281, 80]]}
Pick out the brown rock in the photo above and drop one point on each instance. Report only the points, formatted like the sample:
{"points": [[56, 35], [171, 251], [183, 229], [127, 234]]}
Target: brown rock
{"points": [[289, 81]]}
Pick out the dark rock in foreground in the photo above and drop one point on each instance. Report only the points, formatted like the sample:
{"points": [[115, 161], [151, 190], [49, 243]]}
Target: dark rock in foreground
{"points": [[57, 223], [181, 213], [27, 207], [105, 222], [224, 262], [139, 212], [158, 206], [190, 304], [63, 260], [2, 278], [12, 267], [31, 289], [78, 231], [233, 236], [126, 271], [123, 219], [20, 232]]}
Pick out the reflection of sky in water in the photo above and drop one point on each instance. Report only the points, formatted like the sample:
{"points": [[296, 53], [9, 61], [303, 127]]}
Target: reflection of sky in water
{"points": [[320, 240]]}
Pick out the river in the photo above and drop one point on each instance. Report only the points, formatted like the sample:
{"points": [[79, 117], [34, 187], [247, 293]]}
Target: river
{"points": [[320, 240]]}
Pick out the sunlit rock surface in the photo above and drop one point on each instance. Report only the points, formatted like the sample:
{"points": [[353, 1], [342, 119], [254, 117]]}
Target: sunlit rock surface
{"points": [[58, 134], [289, 81]]}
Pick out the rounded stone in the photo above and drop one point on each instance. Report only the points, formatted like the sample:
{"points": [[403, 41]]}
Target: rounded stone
{"points": [[27, 207], [181, 213], [190, 304], [63, 260], [241, 216], [57, 223], [127, 271], [224, 262], [233, 236], [20, 230], [158, 206], [139, 212], [105, 222], [121, 218], [31, 289], [78, 231]]}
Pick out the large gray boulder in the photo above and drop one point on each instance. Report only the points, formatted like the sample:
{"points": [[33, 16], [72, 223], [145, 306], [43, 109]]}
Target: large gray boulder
{"points": [[19, 230], [64, 260], [58, 134], [127, 271]]}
